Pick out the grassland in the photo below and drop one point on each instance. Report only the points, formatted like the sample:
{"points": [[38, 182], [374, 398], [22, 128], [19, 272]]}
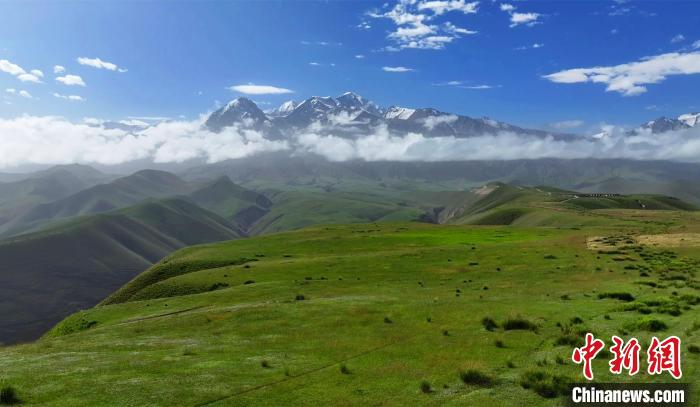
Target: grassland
{"points": [[377, 313]]}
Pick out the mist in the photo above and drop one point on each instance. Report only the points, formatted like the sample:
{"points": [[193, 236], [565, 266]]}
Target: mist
{"points": [[49, 140]]}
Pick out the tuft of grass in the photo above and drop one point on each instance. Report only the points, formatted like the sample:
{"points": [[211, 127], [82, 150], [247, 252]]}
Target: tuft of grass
{"points": [[622, 296], [8, 396], [476, 378], [425, 387], [519, 323], [499, 343], [344, 369], [650, 325], [265, 363], [545, 384], [489, 324]]}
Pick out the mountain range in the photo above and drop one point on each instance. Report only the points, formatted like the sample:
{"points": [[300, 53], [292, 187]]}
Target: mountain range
{"points": [[350, 114]]}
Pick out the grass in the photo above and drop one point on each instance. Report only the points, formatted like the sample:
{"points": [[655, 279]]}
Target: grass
{"points": [[200, 347], [519, 323], [477, 378], [8, 396]]}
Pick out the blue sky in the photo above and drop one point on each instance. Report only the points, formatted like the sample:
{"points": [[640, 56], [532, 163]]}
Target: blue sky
{"points": [[487, 59]]}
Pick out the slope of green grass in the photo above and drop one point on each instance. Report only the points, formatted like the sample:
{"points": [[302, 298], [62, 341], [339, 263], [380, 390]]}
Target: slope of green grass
{"points": [[378, 313], [50, 274]]}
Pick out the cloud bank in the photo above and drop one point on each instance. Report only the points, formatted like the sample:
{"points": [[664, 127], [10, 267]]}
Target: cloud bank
{"points": [[631, 79], [55, 140], [252, 89]]}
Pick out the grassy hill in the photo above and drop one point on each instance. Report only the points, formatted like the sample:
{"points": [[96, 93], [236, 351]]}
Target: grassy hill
{"points": [[50, 274], [18, 196], [504, 204], [120, 193], [240, 205], [378, 313]]}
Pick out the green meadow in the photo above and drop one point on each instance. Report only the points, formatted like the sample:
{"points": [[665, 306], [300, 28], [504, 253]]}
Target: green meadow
{"points": [[386, 313]]}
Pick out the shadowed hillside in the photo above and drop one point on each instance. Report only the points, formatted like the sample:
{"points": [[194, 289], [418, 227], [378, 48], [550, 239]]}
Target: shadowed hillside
{"points": [[49, 274]]}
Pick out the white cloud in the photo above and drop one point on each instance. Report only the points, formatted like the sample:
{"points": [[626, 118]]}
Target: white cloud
{"points": [[57, 69], [535, 45], [431, 122], [696, 44], [567, 124], [451, 28], [22, 93], [251, 89], [465, 85], [518, 18], [678, 38], [507, 7], [99, 64], [28, 77], [479, 87], [413, 28], [630, 79], [71, 80], [322, 43], [359, 56], [321, 64], [8, 67], [55, 140], [19, 72], [74, 98], [398, 69], [439, 7], [611, 143], [528, 19]]}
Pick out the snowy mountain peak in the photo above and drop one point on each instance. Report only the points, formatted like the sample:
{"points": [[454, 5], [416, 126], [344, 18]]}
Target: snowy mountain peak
{"points": [[284, 109], [691, 119], [398, 112], [239, 110], [664, 124]]}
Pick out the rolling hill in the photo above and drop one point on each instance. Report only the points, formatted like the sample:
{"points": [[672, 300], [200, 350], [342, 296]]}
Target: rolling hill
{"points": [[18, 196], [120, 193], [49, 274], [388, 313]]}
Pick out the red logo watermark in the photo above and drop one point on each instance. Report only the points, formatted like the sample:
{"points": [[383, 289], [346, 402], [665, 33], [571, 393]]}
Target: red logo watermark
{"points": [[662, 356]]}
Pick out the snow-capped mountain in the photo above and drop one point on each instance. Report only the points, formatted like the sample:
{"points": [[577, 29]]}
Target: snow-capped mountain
{"points": [[664, 124], [691, 119], [284, 109], [350, 115], [240, 110]]}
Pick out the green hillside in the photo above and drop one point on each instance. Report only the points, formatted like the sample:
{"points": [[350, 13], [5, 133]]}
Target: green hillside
{"points": [[17, 197], [49, 274], [120, 193], [240, 205], [378, 313], [504, 204]]}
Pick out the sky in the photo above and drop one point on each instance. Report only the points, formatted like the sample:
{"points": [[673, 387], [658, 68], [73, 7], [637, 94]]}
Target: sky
{"points": [[587, 67], [511, 61]]}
